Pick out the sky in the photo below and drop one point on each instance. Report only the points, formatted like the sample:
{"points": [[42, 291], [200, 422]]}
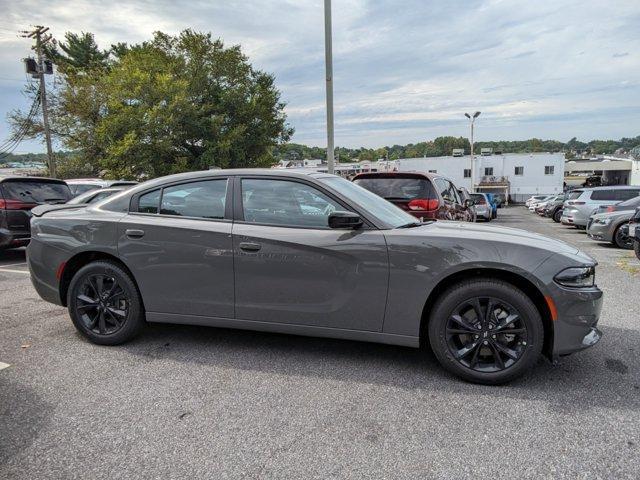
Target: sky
{"points": [[405, 71]]}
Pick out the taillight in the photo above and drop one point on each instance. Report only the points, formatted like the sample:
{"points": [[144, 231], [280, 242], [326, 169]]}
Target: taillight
{"points": [[16, 205], [422, 204]]}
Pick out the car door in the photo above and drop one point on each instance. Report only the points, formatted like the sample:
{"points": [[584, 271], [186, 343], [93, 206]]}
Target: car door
{"points": [[291, 268], [176, 241]]}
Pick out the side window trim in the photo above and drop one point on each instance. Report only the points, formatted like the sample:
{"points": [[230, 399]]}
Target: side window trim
{"points": [[228, 209]]}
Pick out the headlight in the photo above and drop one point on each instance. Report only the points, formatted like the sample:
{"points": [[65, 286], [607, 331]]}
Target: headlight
{"points": [[602, 221], [577, 277]]}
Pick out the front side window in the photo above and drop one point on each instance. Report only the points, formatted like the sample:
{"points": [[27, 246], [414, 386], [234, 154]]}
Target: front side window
{"points": [[204, 199], [286, 203], [603, 195]]}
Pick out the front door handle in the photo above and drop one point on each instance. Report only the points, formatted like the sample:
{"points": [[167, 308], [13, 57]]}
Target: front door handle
{"points": [[133, 233], [250, 247]]}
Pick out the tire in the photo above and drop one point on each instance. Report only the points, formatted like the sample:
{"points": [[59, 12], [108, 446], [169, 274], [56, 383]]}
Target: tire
{"points": [[494, 214], [507, 300], [557, 215], [103, 319], [636, 248], [621, 240]]}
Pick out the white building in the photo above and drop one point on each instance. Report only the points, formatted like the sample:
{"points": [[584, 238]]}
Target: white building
{"points": [[519, 175], [612, 169]]}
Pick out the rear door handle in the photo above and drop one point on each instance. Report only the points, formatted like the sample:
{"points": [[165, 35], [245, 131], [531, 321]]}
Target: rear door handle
{"points": [[133, 233], [250, 247]]}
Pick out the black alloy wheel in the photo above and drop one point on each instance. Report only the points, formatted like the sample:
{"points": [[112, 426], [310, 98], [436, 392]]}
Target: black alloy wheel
{"points": [[486, 331], [557, 215], [104, 303], [486, 334], [622, 239]]}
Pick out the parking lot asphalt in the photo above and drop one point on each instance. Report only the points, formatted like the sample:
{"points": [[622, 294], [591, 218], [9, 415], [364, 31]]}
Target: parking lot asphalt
{"points": [[189, 402]]}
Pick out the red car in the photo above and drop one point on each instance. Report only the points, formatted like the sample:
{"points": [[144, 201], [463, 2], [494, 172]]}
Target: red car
{"points": [[423, 195]]}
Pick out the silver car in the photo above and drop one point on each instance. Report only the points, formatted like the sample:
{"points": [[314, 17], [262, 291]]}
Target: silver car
{"points": [[482, 206], [582, 203], [611, 227], [313, 254]]}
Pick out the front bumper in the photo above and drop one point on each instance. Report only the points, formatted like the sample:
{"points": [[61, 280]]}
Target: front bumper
{"points": [[599, 232], [14, 238], [574, 217], [575, 327]]}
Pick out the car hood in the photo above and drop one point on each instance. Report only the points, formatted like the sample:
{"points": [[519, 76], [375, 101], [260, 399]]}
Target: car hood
{"points": [[475, 231]]}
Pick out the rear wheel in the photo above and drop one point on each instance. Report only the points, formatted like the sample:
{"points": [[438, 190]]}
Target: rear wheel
{"points": [[557, 215], [104, 303], [486, 331]]}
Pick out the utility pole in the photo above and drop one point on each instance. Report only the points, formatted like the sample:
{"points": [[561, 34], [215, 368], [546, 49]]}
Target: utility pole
{"points": [[329, 83], [38, 34], [472, 120]]}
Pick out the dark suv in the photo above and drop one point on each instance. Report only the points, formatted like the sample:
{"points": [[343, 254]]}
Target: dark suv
{"points": [[18, 195], [423, 195]]}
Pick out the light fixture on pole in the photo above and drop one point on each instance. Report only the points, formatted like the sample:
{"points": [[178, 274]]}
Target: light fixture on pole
{"points": [[472, 120], [328, 59]]}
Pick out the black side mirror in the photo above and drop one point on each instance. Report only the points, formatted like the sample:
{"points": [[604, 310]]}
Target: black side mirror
{"points": [[345, 220], [469, 202]]}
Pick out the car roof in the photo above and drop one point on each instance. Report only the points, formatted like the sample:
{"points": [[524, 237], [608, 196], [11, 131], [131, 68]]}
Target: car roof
{"points": [[407, 174]]}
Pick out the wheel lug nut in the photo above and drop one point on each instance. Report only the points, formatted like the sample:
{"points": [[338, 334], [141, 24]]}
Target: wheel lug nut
{"points": [[485, 342], [493, 336]]}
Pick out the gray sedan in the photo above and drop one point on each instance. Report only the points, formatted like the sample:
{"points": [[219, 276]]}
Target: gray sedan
{"points": [[313, 254], [611, 227]]}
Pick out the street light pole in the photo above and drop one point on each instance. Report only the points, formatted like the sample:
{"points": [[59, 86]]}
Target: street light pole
{"points": [[472, 120], [329, 83]]}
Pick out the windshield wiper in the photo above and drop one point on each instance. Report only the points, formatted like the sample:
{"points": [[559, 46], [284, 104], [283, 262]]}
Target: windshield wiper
{"points": [[411, 225]]}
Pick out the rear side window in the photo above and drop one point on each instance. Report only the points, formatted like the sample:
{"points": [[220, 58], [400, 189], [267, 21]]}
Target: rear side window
{"points": [[398, 188], [575, 194], [604, 195], [205, 199], [34, 191], [148, 203]]}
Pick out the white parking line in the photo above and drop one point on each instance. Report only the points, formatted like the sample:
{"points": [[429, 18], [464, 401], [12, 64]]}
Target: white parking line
{"points": [[23, 264], [4, 365], [8, 270]]}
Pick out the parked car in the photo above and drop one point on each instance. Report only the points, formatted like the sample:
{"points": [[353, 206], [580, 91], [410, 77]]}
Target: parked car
{"points": [[483, 207], [313, 254], [611, 227], [534, 205], [94, 196], [582, 202], [18, 195], [634, 231], [553, 209], [534, 198], [82, 185], [423, 195]]}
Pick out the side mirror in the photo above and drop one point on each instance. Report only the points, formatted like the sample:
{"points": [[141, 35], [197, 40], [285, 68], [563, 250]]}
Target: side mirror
{"points": [[468, 203], [345, 220]]}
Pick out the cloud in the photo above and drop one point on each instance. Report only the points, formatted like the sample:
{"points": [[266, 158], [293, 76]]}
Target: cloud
{"points": [[403, 71]]}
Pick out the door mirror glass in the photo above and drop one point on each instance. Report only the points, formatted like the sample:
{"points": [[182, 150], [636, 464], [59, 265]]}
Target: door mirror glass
{"points": [[469, 202], [348, 220]]}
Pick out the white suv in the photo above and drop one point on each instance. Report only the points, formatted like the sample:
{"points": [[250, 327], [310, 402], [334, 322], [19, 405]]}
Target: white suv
{"points": [[582, 202]]}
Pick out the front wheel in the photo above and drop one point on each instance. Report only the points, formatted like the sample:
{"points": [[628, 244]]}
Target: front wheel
{"points": [[486, 331], [621, 238], [557, 216], [104, 303]]}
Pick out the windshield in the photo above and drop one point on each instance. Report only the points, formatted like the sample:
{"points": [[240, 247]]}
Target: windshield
{"points": [[479, 199], [36, 191], [378, 206]]}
